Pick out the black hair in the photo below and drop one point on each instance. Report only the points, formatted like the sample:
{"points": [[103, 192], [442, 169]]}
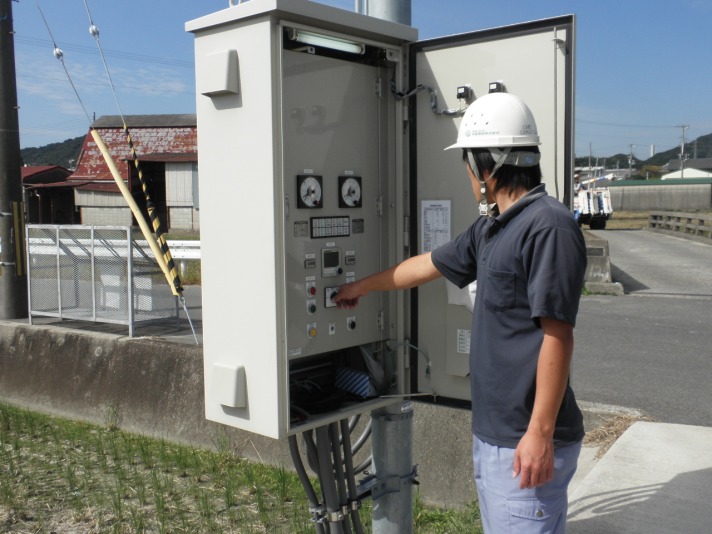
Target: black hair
{"points": [[508, 177]]}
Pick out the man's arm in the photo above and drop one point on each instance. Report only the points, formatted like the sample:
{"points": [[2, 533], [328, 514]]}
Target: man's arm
{"points": [[534, 456], [412, 272]]}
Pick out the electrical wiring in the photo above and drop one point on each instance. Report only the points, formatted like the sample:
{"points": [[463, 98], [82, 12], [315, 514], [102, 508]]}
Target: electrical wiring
{"points": [[304, 479], [329, 453], [433, 100], [428, 363]]}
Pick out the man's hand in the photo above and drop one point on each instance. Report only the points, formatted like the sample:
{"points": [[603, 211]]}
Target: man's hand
{"points": [[410, 273], [534, 460], [349, 295]]}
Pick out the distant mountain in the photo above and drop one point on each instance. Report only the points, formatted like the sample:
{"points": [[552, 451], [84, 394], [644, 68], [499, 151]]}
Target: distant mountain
{"points": [[703, 150], [65, 153]]}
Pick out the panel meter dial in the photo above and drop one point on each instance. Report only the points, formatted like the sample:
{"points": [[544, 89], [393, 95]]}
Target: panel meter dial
{"points": [[309, 191], [349, 191]]}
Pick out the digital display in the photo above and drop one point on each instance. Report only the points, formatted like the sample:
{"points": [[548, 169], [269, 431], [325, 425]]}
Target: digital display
{"points": [[331, 259]]}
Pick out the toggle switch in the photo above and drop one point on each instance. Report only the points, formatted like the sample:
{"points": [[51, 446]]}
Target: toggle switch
{"points": [[329, 293]]}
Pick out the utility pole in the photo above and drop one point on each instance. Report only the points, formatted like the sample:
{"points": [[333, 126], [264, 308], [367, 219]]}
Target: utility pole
{"points": [[392, 10], [682, 149], [13, 279], [630, 162]]}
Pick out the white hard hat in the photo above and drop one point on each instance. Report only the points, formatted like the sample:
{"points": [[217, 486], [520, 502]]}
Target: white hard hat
{"points": [[497, 120]]}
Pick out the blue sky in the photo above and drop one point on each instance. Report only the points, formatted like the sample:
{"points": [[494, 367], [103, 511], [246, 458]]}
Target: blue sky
{"points": [[642, 65]]}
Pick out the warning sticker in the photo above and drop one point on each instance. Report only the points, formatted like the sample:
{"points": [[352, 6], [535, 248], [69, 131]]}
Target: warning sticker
{"points": [[463, 341]]}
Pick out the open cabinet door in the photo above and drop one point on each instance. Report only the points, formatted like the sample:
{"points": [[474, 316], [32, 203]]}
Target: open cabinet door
{"points": [[534, 61]]}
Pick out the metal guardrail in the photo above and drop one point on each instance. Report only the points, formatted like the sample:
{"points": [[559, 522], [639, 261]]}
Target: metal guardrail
{"points": [[185, 250], [95, 273], [694, 226]]}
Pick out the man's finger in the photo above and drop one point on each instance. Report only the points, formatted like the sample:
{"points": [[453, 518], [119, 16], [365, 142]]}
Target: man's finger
{"points": [[525, 479]]}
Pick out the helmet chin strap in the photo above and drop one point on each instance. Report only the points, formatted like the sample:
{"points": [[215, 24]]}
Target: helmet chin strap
{"points": [[486, 209]]}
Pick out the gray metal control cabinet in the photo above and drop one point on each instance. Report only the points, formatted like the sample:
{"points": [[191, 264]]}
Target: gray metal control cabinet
{"points": [[315, 170]]}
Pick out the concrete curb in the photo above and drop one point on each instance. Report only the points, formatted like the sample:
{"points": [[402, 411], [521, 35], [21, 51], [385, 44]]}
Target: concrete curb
{"points": [[153, 387]]}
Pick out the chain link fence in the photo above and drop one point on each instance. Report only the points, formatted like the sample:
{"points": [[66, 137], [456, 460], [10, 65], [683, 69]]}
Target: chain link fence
{"points": [[103, 274]]}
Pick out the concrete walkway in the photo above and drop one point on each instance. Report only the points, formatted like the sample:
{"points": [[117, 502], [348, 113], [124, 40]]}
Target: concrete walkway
{"points": [[655, 479]]}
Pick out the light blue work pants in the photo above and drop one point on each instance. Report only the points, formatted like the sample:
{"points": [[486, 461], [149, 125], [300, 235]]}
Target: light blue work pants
{"points": [[506, 509]]}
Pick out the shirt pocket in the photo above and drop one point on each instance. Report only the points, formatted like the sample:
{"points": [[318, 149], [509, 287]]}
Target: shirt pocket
{"points": [[501, 290]]}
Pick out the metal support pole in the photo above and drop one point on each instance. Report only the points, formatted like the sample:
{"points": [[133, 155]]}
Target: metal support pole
{"points": [[393, 465], [393, 10], [13, 279], [392, 438]]}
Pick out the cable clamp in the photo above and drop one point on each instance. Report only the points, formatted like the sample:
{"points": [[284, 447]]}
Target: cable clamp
{"points": [[394, 484], [333, 517], [321, 515], [317, 513]]}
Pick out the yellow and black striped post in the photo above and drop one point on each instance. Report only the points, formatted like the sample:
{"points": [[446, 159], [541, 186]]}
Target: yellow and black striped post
{"points": [[155, 220]]}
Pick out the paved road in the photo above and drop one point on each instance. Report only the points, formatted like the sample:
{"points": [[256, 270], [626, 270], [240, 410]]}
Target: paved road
{"points": [[648, 263], [650, 349]]}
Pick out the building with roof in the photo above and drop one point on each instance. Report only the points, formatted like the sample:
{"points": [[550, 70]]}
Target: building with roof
{"points": [[702, 164], [687, 173], [167, 149], [48, 197]]}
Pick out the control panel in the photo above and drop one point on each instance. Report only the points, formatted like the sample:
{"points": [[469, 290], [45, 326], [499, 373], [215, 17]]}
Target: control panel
{"points": [[334, 192]]}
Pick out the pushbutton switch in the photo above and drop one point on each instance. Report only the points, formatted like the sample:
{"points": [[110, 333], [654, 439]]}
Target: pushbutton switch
{"points": [[311, 330], [310, 289], [311, 307], [351, 323]]}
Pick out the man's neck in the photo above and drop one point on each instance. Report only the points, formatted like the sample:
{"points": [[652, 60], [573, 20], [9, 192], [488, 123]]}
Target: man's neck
{"points": [[506, 200]]}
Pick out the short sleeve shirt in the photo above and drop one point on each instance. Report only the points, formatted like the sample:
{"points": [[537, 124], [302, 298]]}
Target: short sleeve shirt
{"points": [[529, 262]]}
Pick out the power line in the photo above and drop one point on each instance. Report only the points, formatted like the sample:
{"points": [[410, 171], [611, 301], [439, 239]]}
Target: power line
{"points": [[141, 58], [660, 126]]}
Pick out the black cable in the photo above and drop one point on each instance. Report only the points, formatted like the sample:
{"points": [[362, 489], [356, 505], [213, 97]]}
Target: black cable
{"points": [[338, 467], [362, 439], [326, 480], [351, 478], [304, 479], [360, 468], [312, 453]]}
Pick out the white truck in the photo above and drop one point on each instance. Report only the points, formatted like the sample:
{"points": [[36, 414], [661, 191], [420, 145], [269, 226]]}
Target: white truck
{"points": [[592, 205]]}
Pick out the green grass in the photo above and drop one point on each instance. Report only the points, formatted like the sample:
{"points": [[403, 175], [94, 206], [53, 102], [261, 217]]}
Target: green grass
{"points": [[58, 475]]}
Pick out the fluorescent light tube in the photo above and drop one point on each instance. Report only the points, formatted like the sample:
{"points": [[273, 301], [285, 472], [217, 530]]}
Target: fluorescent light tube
{"points": [[326, 41]]}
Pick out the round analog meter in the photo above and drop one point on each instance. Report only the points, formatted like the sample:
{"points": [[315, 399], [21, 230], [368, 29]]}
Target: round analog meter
{"points": [[309, 191], [350, 191]]}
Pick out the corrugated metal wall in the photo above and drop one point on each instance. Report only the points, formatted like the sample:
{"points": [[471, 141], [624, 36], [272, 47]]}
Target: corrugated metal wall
{"points": [[662, 197], [98, 199], [179, 184]]}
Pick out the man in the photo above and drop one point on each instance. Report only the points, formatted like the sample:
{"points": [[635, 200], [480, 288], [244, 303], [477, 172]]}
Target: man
{"points": [[528, 257]]}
